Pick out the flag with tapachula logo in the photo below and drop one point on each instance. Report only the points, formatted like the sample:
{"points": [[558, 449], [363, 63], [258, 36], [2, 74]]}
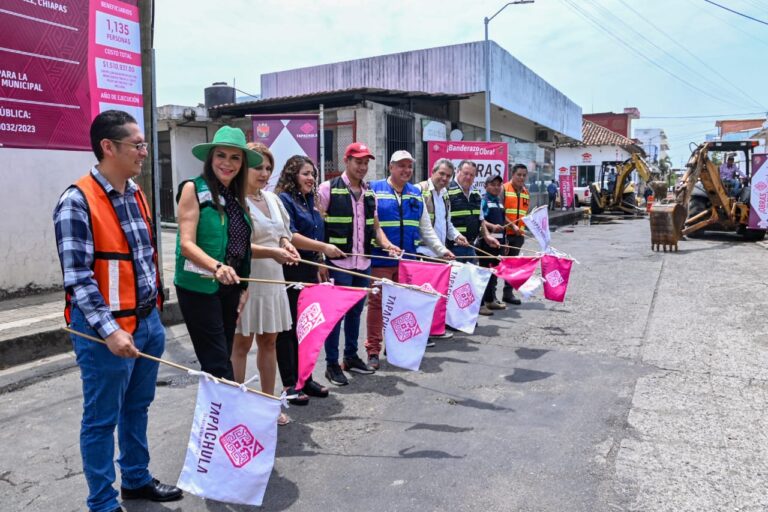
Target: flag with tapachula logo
{"points": [[516, 270], [538, 224], [436, 277], [407, 317], [319, 309], [555, 271], [231, 447], [465, 295]]}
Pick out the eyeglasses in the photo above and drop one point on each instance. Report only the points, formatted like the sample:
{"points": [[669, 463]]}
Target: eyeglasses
{"points": [[139, 146]]}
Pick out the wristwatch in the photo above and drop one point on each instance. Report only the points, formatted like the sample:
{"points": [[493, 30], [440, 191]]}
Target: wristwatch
{"points": [[218, 266]]}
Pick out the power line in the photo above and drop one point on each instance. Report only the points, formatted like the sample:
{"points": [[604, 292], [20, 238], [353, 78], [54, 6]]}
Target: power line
{"points": [[594, 21], [610, 16], [707, 116], [727, 21], [685, 49], [736, 12]]}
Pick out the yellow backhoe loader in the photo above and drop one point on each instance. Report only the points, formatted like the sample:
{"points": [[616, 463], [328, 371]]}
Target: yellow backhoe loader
{"points": [[703, 201], [613, 191]]}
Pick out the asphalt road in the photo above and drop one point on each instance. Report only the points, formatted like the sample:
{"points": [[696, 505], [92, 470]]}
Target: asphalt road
{"points": [[645, 391]]}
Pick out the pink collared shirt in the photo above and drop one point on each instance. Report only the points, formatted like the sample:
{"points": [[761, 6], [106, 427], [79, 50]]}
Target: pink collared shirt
{"points": [[358, 225]]}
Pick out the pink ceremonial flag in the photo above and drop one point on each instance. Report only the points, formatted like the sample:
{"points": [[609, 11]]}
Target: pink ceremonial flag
{"points": [[555, 272], [434, 275], [516, 270], [319, 309]]}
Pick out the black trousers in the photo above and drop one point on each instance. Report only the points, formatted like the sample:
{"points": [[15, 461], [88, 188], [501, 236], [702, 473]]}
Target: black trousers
{"points": [[287, 341], [490, 289], [211, 321], [516, 242]]}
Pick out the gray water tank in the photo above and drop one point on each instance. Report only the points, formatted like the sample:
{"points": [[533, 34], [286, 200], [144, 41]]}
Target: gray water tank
{"points": [[218, 94]]}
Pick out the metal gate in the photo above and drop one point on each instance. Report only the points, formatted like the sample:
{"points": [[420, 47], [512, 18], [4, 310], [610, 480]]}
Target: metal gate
{"points": [[338, 135], [400, 132]]}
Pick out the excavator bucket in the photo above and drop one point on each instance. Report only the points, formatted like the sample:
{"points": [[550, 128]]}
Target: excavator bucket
{"points": [[667, 221]]}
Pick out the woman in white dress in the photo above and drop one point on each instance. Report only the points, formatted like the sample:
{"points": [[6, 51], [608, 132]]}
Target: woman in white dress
{"points": [[267, 311]]}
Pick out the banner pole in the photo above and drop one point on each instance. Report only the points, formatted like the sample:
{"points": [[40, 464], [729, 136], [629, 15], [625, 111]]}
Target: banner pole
{"points": [[172, 364]]}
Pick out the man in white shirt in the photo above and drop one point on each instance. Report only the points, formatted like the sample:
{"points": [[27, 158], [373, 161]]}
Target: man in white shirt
{"points": [[438, 207]]}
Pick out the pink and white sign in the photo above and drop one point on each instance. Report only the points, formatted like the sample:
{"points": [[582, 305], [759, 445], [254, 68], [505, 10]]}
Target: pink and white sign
{"points": [[285, 136], [434, 275], [516, 270], [567, 179], [758, 200], [556, 273], [406, 317], [231, 448], [319, 309], [490, 157], [465, 295], [114, 58], [538, 223]]}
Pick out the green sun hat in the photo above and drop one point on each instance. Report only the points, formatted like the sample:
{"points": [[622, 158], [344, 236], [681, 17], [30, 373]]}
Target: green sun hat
{"points": [[230, 137]]}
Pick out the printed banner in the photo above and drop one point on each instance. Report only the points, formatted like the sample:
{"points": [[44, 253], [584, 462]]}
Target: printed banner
{"points": [[285, 136], [516, 270], [538, 223], [465, 295], [231, 447], [319, 309], [407, 315], [556, 272], [433, 276], [114, 59], [490, 157], [758, 200], [566, 178], [44, 76]]}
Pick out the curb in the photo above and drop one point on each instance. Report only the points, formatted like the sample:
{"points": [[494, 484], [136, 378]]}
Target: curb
{"points": [[53, 342]]}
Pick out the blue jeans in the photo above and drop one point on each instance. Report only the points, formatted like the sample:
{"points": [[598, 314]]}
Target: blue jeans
{"points": [[116, 393], [458, 250], [351, 319]]}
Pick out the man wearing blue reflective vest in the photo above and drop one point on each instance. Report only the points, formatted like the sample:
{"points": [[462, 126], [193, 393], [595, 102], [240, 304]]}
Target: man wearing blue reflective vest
{"points": [[406, 224]]}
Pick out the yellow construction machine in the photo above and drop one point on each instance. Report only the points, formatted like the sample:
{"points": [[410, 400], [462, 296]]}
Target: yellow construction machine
{"points": [[613, 191], [702, 201]]}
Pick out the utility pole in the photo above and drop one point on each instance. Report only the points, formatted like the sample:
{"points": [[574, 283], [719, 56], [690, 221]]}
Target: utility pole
{"points": [[146, 25]]}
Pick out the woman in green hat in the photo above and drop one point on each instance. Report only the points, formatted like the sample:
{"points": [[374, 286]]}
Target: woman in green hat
{"points": [[213, 249]]}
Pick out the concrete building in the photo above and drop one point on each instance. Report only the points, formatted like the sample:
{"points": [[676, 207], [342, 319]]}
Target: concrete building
{"points": [[599, 147], [617, 123], [403, 100], [655, 143]]}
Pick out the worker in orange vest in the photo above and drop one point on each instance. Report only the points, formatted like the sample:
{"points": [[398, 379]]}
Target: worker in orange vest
{"points": [[516, 202]]}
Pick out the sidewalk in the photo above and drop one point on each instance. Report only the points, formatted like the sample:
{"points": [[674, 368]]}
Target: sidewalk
{"points": [[33, 344]]}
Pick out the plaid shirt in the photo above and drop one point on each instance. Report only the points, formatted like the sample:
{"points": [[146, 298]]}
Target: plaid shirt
{"points": [[75, 245]]}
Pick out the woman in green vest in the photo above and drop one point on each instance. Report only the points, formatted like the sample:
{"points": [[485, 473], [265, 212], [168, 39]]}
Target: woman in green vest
{"points": [[213, 248]]}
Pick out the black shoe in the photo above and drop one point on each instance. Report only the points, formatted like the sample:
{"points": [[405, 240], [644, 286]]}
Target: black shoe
{"points": [[356, 365], [296, 397], [511, 299], [153, 491], [373, 361], [335, 376], [430, 342], [312, 388]]}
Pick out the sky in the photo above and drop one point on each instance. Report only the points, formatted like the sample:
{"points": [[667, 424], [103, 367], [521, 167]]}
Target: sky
{"points": [[671, 59]]}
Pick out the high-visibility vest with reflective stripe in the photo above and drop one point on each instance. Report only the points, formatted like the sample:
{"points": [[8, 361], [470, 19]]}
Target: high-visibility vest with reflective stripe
{"points": [[339, 220], [429, 202], [465, 212], [398, 220], [515, 206], [113, 267]]}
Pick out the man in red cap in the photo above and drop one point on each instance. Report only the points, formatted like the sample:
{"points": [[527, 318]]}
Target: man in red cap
{"points": [[351, 224]]}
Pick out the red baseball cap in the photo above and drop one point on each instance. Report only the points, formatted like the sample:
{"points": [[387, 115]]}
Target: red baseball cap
{"points": [[358, 150]]}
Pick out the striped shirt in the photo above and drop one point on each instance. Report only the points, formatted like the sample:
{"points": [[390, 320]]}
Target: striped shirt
{"points": [[74, 241]]}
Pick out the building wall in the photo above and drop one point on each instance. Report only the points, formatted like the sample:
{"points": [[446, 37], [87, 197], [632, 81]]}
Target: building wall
{"points": [[472, 111], [567, 157], [457, 69], [619, 123], [33, 181], [183, 138], [738, 125]]}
